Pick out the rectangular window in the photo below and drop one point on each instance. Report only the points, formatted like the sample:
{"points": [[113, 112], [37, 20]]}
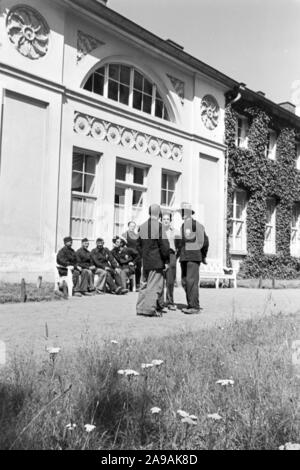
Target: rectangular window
{"points": [[84, 195], [168, 189], [295, 230], [238, 236], [130, 195], [271, 145], [270, 231], [241, 139]]}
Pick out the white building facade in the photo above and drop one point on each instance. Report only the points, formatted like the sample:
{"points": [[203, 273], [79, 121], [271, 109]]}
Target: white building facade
{"points": [[99, 119]]}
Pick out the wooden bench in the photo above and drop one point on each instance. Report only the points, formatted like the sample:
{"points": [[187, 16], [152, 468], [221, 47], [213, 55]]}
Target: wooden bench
{"points": [[215, 270]]}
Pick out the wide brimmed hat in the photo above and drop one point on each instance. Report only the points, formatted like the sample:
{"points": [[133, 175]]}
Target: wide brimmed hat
{"points": [[186, 207]]}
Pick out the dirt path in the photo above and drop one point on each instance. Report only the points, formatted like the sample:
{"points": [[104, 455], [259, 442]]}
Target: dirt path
{"points": [[114, 317]]}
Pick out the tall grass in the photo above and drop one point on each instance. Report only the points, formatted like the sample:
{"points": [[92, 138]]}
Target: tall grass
{"points": [[39, 397]]}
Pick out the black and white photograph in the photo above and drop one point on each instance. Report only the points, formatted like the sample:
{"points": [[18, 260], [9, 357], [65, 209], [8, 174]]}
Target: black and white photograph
{"points": [[149, 228]]}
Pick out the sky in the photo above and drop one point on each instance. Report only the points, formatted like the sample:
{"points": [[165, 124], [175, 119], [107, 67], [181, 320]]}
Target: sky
{"points": [[252, 41]]}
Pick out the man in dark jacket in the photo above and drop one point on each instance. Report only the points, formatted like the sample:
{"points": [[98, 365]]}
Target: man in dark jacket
{"points": [[84, 260], [131, 237], [66, 257], [154, 249], [192, 248], [103, 259], [125, 257]]}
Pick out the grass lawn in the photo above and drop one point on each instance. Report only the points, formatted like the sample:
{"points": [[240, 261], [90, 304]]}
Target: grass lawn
{"points": [[11, 293], [40, 394]]}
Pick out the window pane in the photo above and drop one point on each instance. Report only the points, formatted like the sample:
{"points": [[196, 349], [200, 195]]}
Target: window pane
{"points": [[90, 165], [165, 114], [114, 71], [137, 198], [164, 181], [89, 84], [120, 196], [98, 84], [120, 172], [138, 81], [158, 108], [147, 87], [125, 75], [113, 88], [101, 71], [137, 100], [124, 94], [170, 198], [164, 197], [138, 175], [78, 161], [89, 184], [171, 182], [147, 101], [77, 180]]}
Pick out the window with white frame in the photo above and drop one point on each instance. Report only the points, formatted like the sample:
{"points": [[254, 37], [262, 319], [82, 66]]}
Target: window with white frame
{"points": [[127, 86], [168, 189], [298, 156], [270, 230], [295, 230], [238, 235], [241, 132], [271, 145], [130, 195], [84, 195]]}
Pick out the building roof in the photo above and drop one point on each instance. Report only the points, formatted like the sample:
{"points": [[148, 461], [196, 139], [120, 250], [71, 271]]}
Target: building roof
{"points": [[174, 51]]}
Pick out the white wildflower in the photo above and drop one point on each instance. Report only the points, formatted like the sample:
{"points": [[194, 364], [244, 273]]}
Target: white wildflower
{"points": [[183, 414], [89, 427], [52, 350], [113, 341], [290, 446], [157, 362], [71, 426], [147, 366], [225, 382], [128, 372], [155, 410], [214, 416], [193, 417]]}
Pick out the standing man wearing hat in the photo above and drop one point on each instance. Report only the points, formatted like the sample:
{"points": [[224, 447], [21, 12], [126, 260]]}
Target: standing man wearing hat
{"points": [[66, 257], [154, 249], [192, 248]]}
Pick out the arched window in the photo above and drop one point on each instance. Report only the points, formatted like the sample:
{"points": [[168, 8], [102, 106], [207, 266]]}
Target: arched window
{"points": [[127, 86]]}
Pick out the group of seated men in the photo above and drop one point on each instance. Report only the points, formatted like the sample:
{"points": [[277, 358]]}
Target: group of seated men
{"points": [[100, 270]]}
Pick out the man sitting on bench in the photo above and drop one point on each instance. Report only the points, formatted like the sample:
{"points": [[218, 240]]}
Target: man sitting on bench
{"points": [[103, 259], [126, 258], [84, 261], [66, 258]]}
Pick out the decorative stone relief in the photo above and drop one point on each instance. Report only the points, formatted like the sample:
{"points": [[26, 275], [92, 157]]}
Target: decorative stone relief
{"points": [[210, 111], [118, 135], [86, 44], [28, 31], [178, 86]]}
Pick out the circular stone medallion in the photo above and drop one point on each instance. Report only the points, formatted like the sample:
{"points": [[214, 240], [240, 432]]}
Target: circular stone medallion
{"points": [[82, 125], [28, 31], [141, 143], [153, 147], [127, 139], [98, 130], [113, 135], [210, 112]]}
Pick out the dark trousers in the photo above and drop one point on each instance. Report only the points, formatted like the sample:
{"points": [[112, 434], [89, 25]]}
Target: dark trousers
{"points": [[170, 280], [138, 272], [81, 280], [190, 282], [113, 280]]}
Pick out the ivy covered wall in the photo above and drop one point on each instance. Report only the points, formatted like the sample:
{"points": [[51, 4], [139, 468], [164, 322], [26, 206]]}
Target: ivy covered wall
{"points": [[261, 177]]}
